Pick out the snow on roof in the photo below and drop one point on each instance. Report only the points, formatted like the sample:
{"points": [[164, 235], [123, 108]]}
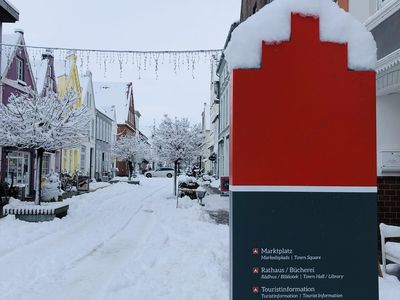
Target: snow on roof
{"points": [[7, 53], [84, 82], [110, 112], [39, 69], [106, 111], [108, 94], [272, 24], [62, 67]]}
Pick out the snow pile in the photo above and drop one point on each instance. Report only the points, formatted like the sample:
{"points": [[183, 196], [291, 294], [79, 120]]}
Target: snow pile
{"points": [[216, 184], [200, 189], [51, 188], [98, 185], [272, 24], [216, 202]]}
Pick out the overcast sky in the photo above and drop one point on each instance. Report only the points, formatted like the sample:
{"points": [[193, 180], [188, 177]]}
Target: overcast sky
{"points": [[137, 25]]}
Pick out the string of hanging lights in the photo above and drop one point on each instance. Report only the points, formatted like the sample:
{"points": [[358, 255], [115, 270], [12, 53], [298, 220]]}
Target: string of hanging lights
{"points": [[142, 60]]}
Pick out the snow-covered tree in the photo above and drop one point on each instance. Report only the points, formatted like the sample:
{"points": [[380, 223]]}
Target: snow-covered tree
{"points": [[43, 123], [133, 150], [176, 140]]}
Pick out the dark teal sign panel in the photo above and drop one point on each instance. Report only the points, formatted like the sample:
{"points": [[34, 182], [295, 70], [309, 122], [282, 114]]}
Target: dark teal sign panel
{"points": [[299, 245]]}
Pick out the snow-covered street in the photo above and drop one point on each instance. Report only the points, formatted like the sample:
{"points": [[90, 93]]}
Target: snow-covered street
{"points": [[120, 242]]}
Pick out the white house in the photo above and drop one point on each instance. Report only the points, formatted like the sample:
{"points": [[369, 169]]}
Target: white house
{"points": [[88, 146], [214, 121], [207, 164]]}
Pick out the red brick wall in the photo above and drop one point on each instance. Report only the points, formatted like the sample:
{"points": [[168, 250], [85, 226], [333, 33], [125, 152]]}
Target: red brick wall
{"points": [[389, 200]]}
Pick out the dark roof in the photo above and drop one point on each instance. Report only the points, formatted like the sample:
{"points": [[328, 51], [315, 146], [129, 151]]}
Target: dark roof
{"points": [[228, 39], [8, 13]]}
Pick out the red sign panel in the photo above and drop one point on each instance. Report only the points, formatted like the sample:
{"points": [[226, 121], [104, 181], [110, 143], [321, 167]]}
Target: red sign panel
{"points": [[303, 119]]}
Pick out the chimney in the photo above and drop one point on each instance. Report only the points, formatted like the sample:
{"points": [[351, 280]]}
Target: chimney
{"points": [[47, 54]]}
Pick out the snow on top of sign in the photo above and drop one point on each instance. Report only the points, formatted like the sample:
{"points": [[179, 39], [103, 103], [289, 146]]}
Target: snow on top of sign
{"points": [[272, 24]]}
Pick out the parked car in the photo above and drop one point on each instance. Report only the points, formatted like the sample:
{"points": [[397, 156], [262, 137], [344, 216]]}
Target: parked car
{"points": [[162, 172]]}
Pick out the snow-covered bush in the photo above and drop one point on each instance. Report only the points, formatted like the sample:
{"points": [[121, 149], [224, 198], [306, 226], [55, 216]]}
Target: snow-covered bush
{"points": [[51, 188]]}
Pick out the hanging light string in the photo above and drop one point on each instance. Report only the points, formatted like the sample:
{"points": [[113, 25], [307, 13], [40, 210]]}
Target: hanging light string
{"points": [[181, 60]]}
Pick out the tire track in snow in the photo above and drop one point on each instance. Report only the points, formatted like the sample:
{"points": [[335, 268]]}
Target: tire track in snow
{"points": [[78, 280], [39, 239], [38, 278]]}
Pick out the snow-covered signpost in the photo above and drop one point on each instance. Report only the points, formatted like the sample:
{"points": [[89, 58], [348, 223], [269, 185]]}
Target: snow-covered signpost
{"points": [[48, 123], [133, 150], [176, 140], [303, 108]]}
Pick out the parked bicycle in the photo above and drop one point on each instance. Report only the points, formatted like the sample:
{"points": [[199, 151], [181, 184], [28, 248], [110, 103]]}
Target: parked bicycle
{"points": [[68, 181]]}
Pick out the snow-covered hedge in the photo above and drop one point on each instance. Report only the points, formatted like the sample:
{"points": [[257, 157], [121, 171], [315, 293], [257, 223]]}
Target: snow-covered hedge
{"points": [[272, 24]]}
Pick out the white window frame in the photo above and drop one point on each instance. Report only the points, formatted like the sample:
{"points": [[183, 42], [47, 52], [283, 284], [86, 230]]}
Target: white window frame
{"points": [[20, 69], [381, 3]]}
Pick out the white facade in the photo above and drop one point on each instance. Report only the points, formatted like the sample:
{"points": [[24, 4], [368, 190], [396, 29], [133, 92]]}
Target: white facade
{"points": [[214, 120], [104, 140], [224, 119], [205, 128], [386, 13], [88, 146], [362, 9], [388, 126]]}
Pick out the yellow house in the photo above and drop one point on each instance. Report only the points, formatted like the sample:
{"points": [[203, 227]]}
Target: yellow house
{"points": [[68, 78]]}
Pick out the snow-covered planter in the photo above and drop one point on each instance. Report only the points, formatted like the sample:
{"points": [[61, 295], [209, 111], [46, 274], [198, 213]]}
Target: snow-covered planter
{"points": [[272, 24], [51, 189], [30, 212], [186, 179], [187, 186]]}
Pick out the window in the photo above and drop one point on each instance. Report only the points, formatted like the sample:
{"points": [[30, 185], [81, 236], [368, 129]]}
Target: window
{"points": [[381, 3], [20, 69], [97, 128], [46, 164]]}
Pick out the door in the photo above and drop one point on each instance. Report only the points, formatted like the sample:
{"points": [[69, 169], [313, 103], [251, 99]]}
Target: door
{"points": [[18, 168]]}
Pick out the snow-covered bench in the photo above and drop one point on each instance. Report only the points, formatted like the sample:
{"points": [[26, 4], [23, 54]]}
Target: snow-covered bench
{"points": [[390, 250]]}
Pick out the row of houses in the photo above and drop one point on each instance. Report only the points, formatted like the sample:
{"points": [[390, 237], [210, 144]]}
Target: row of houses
{"points": [[111, 106], [382, 18]]}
